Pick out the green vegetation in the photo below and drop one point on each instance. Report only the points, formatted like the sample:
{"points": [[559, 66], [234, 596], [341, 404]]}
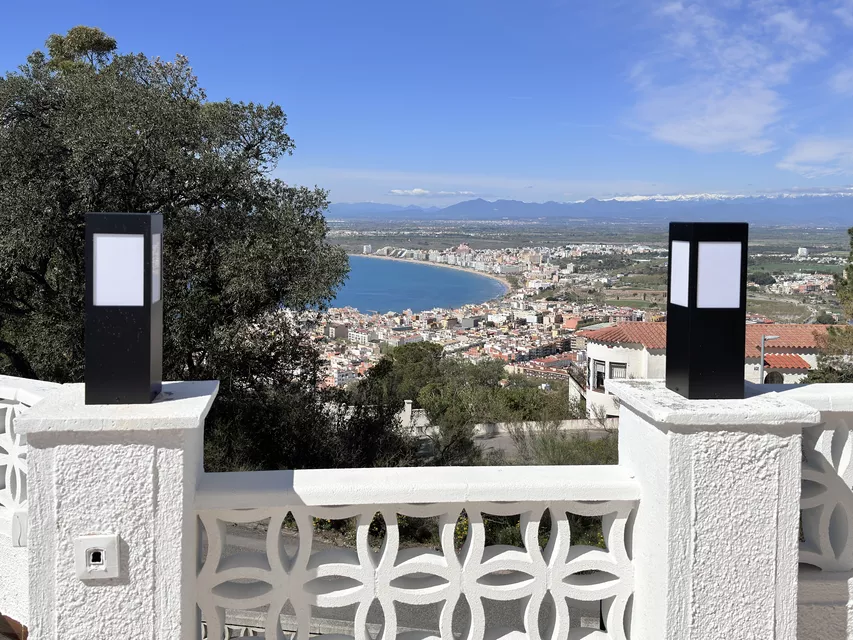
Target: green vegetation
{"points": [[633, 303], [86, 128], [457, 395], [761, 278], [836, 361], [774, 266], [781, 310]]}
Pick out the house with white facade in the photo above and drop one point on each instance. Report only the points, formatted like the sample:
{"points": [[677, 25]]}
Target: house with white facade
{"points": [[638, 350]]}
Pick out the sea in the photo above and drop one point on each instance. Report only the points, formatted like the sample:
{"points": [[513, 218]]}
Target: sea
{"points": [[396, 285]]}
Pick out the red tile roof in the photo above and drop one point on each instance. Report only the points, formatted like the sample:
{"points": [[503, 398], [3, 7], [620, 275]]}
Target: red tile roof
{"points": [[791, 336], [785, 361], [652, 335]]}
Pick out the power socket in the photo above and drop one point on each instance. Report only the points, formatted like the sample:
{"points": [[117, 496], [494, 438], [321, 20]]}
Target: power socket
{"points": [[97, 557]]}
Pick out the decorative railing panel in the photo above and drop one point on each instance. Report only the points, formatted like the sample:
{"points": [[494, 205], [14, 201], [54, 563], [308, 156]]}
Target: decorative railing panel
{"points": [[827, 494], [545, 574], [16, 396]]}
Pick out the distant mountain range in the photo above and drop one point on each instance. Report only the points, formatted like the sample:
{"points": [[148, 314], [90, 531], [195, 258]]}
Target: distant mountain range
{"points": [[807, 209]]}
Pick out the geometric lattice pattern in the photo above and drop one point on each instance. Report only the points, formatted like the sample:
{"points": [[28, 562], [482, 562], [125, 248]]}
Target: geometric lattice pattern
{"points": [[364, 577], [13, 460], [827, 494]]}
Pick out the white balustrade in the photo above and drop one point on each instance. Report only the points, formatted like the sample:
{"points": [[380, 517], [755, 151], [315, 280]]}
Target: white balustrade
{"points": [[17, 395], [826, 500], [827, 495], [673, 561], [543, 580]]}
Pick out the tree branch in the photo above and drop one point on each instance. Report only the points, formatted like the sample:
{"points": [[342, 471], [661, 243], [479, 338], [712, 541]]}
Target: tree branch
{"points": [[17, 360]]}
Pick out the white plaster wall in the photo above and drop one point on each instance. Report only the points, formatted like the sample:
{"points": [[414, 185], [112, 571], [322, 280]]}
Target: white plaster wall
{"points": [[656, 367], [130, 470], [738, 482], [643, 452], [14, 590], [135, 489], [597, 401], [715, 537], [634, 356], [824, 612], [752, 372]]}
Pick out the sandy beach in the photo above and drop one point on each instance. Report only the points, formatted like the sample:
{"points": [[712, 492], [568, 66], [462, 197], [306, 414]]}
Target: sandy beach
{"points": [[500, 279]]}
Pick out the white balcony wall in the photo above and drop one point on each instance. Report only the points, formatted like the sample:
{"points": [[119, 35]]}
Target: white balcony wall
{"points": [[701, 524], [17, 395]]}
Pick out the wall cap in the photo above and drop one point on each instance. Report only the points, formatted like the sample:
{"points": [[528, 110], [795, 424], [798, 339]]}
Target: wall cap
{"points": [[25, 390], [413, 485], [667, 409], [181, 405], [833, 396]]}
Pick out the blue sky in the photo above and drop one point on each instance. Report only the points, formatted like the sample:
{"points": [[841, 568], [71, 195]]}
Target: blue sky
{"points": [[440, 101]]}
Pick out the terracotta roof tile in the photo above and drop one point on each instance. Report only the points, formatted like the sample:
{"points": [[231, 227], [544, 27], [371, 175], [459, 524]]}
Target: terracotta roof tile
{"points": [[791, 336], [785, 361], [652, 335]]}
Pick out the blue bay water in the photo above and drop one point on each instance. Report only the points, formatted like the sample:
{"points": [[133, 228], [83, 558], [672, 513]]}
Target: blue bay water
{"points": [[394, 285]]}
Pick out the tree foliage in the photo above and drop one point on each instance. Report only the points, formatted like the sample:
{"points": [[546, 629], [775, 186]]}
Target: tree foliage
{"points": [[835, 364], [246, 262], [762, 278], [456, 395]]}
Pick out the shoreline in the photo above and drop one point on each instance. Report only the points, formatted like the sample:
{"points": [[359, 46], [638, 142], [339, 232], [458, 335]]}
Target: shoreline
{"points": [[507, 286]]}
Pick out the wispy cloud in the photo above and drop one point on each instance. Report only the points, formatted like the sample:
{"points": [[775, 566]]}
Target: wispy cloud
{"points": [[426, 193], [844, 12], [819, 156], [842, 81], [357, 184], [713, 85]]}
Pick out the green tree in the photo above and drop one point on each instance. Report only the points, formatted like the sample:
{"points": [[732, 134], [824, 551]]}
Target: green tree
{"points": [[825, 318], [246, 259], [762, 278], [835, 364]]}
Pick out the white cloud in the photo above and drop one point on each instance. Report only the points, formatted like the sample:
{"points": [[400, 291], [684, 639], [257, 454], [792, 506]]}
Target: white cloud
{"points": [[426, 193], [820, 156], [711, 117], [714, 83], [842, 81], [360, 185], [844, 12]]}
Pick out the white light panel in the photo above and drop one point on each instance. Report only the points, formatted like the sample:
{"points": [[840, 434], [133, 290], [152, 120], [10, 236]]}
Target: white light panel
{"points": [[155, 267], [119, 270], [679, 260], [719, 278]]}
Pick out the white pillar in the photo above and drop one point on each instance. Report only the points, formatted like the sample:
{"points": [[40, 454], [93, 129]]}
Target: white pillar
{"points": [[129, 470], [716, 532]]}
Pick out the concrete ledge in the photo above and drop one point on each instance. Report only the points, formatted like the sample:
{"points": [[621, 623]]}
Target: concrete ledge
{"points": [[25, 390], [670, 411], [181, 405], [823, 604], [330, 487], [835, 397]]}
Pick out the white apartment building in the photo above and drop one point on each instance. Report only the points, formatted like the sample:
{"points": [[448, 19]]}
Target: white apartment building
{"points": [[344, 376], [362, 337]]}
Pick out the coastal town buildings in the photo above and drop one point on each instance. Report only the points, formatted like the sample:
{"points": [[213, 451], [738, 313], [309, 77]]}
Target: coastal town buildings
{"points": [[548, 337]]}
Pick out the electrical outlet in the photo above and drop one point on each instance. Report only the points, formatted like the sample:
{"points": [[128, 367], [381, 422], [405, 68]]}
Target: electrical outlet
{"points": [[97, 557]]}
